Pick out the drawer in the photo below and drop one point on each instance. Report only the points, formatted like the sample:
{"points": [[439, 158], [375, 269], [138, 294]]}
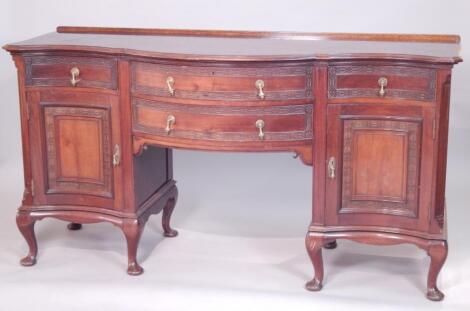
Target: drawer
{"points": [[227, 123], [413, 83], [223, 83], [93, 72]]}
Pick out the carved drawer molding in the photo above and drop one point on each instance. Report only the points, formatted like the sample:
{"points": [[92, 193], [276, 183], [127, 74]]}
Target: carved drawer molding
{"points": [[413, 83], [224, 123], [54, 70], [223, 83]]}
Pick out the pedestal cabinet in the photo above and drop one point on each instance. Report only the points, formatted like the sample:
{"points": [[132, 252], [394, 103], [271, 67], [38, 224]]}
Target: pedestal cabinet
{"points": [[78, 162], [379, 165], [76, 143], [103, 108]]}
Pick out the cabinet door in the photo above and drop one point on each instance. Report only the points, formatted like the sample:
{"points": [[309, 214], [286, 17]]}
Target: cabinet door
{"points": [[74, 140], [379, 165]]}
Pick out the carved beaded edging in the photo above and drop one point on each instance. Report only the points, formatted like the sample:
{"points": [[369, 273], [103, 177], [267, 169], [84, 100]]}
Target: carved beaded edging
{"points": [[305, 110], [428, 95], [305, 93], [224, 71], [392, 208], [103, 188]]}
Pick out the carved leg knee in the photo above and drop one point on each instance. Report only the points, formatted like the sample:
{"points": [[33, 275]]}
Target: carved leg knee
{"points": [[314, 248], [73, 226], [167, 211], [438, 253], [26, 226], [133, 231]]}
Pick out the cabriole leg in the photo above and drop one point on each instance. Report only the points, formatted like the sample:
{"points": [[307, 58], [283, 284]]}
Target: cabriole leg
{"points": [[166, 216], [133, 229], [26, 226], [314, 246], [438, 253]]}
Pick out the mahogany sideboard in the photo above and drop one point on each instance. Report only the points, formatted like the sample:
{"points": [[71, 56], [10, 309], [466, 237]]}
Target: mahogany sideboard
{"points": [[102, 109]]}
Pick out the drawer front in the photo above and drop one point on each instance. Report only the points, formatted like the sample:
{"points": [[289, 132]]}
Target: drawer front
{"points": [[413, 83], [223, 83], [215, 123], [93, 72]]}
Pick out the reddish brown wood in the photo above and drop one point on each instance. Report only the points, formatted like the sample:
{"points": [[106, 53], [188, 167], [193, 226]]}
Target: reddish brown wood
{"points": [[367, 145], [74, 131], [314, 248], [25, 143], [166, 216], [361, 80], [73, 136], [131, 225], [94, 72], [304, 150], [379, 156], [437, 221], [261, 34], [285, 82], [128, 176], [211, 123], [26, 226], [78, 150], [429, 49], [99, 151], [437, 251], [133, 231], [319, 145]]}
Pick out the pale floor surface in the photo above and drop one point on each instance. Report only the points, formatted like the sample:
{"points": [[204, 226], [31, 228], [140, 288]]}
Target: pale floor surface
{"points": [[242, 220]]}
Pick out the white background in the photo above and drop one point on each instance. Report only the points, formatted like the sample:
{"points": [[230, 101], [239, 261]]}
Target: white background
{"points": [[242, 217]]}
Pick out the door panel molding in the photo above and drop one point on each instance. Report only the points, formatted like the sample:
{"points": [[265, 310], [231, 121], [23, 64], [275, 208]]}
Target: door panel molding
{"points": [[78, 140], [362, 170], [364, 139]]}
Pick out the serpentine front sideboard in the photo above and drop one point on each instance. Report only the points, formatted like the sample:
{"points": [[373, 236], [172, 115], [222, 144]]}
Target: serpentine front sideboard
{"points": [[102, 109]]}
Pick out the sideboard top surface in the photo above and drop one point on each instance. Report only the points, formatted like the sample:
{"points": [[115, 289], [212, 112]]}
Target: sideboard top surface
{"points": [[211, 45]]}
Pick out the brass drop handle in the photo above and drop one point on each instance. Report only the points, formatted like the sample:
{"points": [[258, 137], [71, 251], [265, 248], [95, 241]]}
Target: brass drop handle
{"points": [[116, 155], [170, 82], [382, 83], [332, 168], [170, 120], [260, 85], [74, 72], [260, 125]]}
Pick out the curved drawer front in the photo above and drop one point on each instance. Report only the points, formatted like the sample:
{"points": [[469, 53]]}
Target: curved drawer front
{"points": [[215, 123], [382, 81], [53, 70], [223, 83]]}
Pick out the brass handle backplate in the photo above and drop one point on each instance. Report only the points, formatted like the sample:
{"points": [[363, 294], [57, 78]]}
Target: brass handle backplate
{"points": [[74, 72], [116, 155], [332, 168], [170, 82], [260, 125], [260, 85], [382, 84], [170, 120]]}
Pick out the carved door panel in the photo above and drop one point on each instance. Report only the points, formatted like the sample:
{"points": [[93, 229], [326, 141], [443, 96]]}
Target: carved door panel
{"points": [[379, 167], [75, 140]]}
